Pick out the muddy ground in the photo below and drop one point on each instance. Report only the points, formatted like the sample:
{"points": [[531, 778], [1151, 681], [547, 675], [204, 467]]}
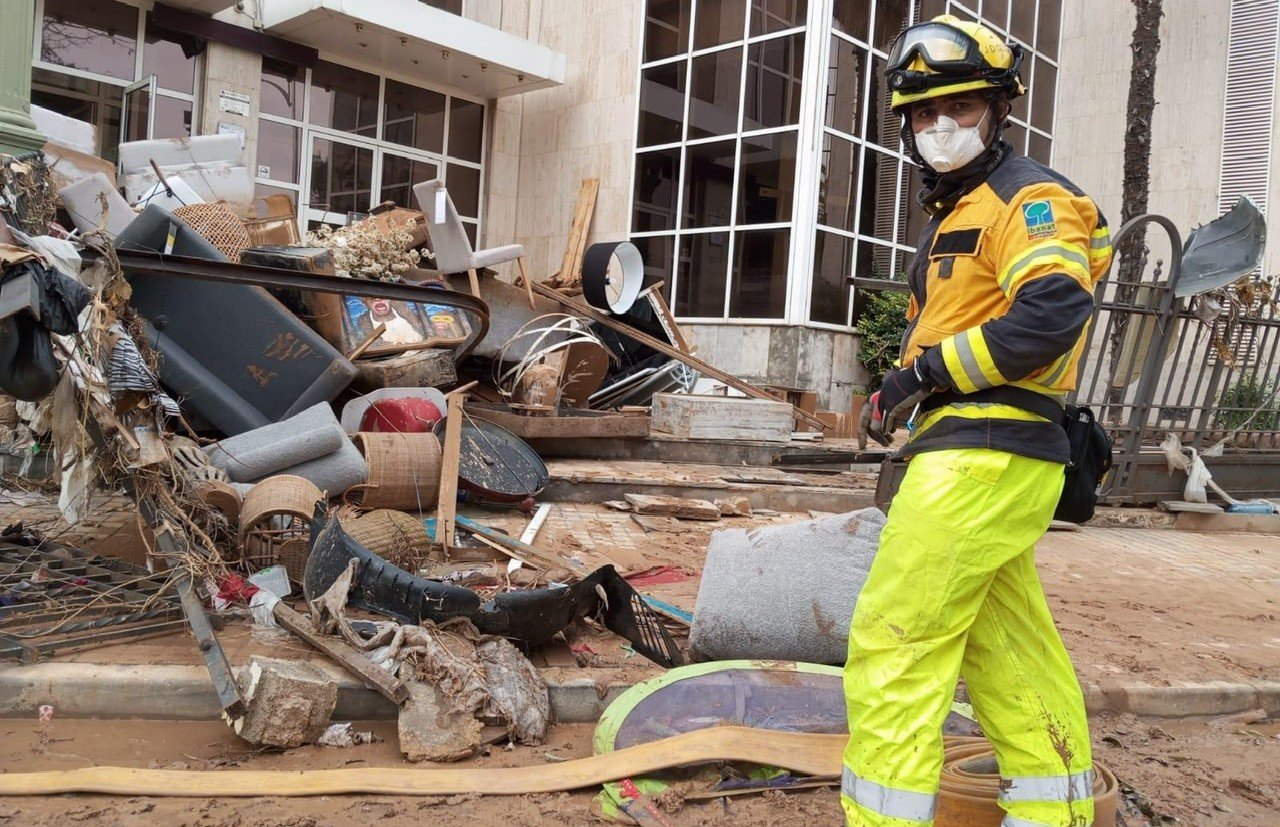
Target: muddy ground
{"points": [[1221, 772]]}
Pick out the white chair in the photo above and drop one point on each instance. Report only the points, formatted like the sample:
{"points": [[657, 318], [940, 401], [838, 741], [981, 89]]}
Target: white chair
{"points": [[450, 243]]}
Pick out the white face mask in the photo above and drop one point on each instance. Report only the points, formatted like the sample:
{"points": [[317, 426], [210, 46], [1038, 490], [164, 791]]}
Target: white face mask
{"points": [[947, 146]]}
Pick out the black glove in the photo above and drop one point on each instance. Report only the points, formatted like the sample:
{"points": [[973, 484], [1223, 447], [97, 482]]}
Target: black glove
{"points": [[900, 391]]}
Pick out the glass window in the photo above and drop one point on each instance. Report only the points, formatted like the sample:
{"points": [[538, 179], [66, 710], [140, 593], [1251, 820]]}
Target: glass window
{"points": [[719, 21], [279, 149], [708, 184], [776, 15], [657, 253], [930, 9], [703, 270], [661, 104], [996, 12], [760, 266], [1016, 134], [1048, 27], [916, 219], [99, 36], [883, 126], [892, 16], [1022, 103], [775, 69], [1043, 92], [341, 176], [466, 129], [766, 178], [172, 118], [715, 93], [83, 99], [1022, 22], [853, 17], [344, 99], [839, 176], [872, 261], [666, 29], [451, 6], [413, 117], [1040, 147], [845, 90], [400, 174], [463, 184], [166, 60], [282, 89], [879, 194], [657, 176], [829, 297]]}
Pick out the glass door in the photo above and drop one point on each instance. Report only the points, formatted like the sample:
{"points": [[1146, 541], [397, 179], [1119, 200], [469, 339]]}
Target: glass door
{"points": [[340, 177], [138, 110]]}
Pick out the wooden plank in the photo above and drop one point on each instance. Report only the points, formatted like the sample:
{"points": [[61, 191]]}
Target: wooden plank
{"points": [[451, 456], [680, 507], [721, 417], [1240, 523], [367, 343], [706, 368], [668, 320], [528, 285], [350, 658], [576, 425], [576, 246], [525, 553]]}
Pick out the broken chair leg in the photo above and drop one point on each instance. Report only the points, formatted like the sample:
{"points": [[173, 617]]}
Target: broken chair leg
{"points": [[528, 285], [475, 282]]}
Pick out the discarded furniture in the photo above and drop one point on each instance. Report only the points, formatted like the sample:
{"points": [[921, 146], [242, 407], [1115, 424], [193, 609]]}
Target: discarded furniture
{"points": [[407, 410], [404, 471], [94, 203], [788, 569], [311, 445], [450, 243], [213, 166], [722, 417], [234, 352], [495, 464], [275, 526]]}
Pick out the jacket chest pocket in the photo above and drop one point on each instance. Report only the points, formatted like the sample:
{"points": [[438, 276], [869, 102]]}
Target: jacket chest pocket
{"points": [[957, 251]]}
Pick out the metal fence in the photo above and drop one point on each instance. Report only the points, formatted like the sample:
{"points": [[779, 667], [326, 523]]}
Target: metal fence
{"points": [[1204, 369]]}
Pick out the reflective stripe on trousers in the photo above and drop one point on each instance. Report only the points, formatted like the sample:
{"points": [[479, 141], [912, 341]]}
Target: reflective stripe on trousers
{"points": [[1048, 787], [904, 804]]}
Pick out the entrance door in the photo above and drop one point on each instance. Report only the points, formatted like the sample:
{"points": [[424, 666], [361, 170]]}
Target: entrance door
{"points": [[340, 180], [138, 110]]}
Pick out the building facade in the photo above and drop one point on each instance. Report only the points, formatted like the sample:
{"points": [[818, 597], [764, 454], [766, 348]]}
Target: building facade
{"points": [[745, 146]]}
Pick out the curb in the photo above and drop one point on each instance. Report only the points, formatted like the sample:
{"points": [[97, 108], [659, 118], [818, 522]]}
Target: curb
{"points": [[87, 690]]}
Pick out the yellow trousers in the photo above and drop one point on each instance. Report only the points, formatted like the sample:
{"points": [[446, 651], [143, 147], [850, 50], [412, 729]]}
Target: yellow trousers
{"points": [[954, 590]]}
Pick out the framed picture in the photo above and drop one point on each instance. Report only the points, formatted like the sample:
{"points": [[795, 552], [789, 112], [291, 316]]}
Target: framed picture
{"points": [[348, 322]]}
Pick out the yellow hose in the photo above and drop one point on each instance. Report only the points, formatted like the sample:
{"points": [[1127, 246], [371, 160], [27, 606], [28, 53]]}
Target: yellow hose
{"points": [[798, 752]]}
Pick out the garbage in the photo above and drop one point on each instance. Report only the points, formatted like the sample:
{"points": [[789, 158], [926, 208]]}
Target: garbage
{"points": [[344, 735], [211, 165], [401, 410], [404, 471], [288, 702], [94, 204], [310, 444], [36, 301], [788, 569], [532, 615]]}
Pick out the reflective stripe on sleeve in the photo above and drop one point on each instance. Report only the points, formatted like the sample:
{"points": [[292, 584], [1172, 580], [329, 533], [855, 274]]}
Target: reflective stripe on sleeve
{"points": [[1070, 256], [1100, 243], [1077, 787], [887, 801], [969, 361]]}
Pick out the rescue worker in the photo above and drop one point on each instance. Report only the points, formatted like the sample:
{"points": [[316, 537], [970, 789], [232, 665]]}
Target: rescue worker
{"points": [[1001, 295]]}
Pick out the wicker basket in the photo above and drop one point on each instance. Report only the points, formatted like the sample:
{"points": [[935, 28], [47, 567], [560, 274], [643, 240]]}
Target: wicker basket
{"points": [[404, 471], [397, 537], [275, 523], [219, 225]]}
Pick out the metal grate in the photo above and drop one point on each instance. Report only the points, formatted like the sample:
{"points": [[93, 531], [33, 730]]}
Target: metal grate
{"points": [[1249, 109], [57, 599]]}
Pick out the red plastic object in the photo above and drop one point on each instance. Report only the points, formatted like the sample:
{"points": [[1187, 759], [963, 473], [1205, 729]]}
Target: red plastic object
{"points": [[408, 415]]}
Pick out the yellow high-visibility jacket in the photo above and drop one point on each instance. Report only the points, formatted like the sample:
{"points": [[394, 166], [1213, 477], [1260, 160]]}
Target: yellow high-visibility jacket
{"points": [[1002, 294]]}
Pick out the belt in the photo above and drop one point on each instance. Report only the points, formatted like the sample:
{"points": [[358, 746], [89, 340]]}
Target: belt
{"points": [[1036, 403]]}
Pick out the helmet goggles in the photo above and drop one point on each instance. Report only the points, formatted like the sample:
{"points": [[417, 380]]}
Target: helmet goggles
{"points": [[946, 50]]}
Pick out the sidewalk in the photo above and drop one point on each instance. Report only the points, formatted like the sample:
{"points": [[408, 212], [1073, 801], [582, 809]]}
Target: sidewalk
{"points": [[1158, 622]]}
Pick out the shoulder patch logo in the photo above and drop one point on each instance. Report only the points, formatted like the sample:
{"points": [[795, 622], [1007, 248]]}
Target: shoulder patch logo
{"points": [[1038, 216]]}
